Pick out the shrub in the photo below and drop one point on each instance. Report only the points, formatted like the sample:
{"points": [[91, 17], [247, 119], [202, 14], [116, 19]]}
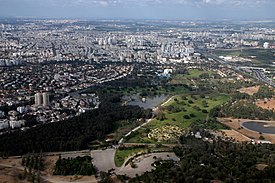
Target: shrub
{"points": [[186, 117]]}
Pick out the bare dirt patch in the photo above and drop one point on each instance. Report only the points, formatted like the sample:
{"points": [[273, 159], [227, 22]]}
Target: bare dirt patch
{"points": [[10, 175], [250, 90], [261, 166], [11, 169], [50, 161], [69, 179], [267, 104], [13, 161], [236, 125], [236, 135]]}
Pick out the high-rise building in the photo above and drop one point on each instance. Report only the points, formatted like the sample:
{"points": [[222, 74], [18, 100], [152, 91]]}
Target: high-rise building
{"points": [[46, 99], [42, 99], [38, 99]]}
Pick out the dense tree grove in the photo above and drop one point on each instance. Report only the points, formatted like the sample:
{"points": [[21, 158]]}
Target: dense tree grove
{"points": [[33, 162], [240, 96], [202, 161], [242, 109], [264, 92], [210, 123], [73, 134], [228, 87], [76, 166]]}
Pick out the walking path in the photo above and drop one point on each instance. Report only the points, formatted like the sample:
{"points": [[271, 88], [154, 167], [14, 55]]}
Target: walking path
{"points": [[142, 125], [103, 160]]}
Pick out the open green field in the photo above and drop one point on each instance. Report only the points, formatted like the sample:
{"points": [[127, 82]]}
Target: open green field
{"points": [[180, 79], [195, 73], [189, 78], [263, 56], [174, 87], [181, 111], [122, 155]]}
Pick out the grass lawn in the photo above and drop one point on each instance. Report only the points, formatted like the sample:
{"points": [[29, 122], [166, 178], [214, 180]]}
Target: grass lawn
{"points": [[173, 89], [195, 73], [180, 79], [188, 79], [122, 155], [122, 127], [184, 108]]}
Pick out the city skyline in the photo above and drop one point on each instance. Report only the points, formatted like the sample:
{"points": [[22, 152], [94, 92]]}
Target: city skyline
{"points": [[154, 95], [143, 9]]}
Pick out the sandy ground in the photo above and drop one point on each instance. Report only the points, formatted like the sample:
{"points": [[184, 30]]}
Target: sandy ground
{"points": [[236, 125], [268, 104], [50, 163], [8, 175], [11, 168], [250, 90], [70, 179], [236, 135]]}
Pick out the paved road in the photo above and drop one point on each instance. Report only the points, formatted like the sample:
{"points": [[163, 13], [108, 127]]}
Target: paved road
{"points": [[103, 160], [259, 75], [144, 163], [148, 144]]}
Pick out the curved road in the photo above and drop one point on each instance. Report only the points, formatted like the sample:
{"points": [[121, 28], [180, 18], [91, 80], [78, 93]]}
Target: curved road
{"points": [[104, 159]]}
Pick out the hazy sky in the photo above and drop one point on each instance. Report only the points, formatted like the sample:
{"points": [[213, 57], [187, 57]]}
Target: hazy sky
{"points": [[140, 9]]}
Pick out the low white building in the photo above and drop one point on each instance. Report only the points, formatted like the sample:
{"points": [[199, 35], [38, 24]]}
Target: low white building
{"points": [[266, 45], [22, 109], [17, 124], [4, 124]]}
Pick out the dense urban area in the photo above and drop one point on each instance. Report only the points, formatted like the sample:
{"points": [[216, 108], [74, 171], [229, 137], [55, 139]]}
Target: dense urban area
{"points": [[137, 101]]}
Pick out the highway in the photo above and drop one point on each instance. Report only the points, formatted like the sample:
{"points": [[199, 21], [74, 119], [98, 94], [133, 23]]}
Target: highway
{"points": [[258, 74], [261, 76]]}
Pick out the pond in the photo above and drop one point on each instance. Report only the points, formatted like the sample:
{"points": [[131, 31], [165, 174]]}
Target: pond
{"points": [[260, 127], [147, 102]]}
